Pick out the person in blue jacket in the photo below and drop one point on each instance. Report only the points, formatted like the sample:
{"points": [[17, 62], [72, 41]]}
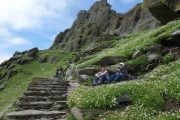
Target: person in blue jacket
{"points": [[120, 75]]}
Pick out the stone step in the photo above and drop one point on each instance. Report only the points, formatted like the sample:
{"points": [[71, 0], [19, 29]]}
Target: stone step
{"points": [[49, 86], [49, 82], [61, 102], [36, 114], [41, 98], [44, 93], [34, 105], [65, 84], [46, 89]]}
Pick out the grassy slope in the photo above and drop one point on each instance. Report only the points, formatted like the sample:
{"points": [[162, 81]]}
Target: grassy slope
{"points": [[18, 84], [125, 47], [146, 92]]}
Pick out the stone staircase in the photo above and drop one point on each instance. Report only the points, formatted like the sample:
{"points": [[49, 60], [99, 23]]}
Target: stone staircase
{"points": [[45, 99]]}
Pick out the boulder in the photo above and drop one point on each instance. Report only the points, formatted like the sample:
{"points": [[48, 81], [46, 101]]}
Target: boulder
{"points": [[136, 54], [71, 70], [150, 66], [153, 57], [110, 60], [124, 100], [82, 78], [69, 78], [53, 59], [43, 59], [76, 112], [176, 33], [90, 71], [155, 48]]}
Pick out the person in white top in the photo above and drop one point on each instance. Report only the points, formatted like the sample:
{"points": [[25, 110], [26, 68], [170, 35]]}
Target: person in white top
{"points": [[101, 76]]}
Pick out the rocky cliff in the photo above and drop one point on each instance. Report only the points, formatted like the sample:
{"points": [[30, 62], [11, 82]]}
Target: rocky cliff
{"points": [[88, 26], [100, 19]]}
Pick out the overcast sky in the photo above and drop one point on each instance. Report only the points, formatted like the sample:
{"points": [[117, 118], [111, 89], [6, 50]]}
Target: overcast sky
{"points": [[25, 24]]}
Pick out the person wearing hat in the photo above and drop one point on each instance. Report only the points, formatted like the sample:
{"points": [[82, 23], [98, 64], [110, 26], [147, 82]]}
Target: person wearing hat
{"points": [[120, 75]]}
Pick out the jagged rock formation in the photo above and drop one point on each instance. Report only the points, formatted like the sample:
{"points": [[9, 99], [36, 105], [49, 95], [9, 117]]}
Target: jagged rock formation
{"points": [[45, 99], [88, 26], [100, 20]]}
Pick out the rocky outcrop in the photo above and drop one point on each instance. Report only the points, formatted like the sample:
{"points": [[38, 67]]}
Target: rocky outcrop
{"points": [[8, 68], [100, 20], [164, 10], [88, 26]]}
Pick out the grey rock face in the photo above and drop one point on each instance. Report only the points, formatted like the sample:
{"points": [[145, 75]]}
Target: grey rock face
{"points": [[100, 20], [88, 26], [91, 71], [164, 10]]}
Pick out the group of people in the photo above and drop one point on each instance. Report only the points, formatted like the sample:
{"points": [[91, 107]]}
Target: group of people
{"points": [[103, 76]]}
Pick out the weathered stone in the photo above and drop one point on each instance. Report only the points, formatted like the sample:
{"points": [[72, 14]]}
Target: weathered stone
{"points": [[137, 54], [53, 59], [90, 71], [69, 78], [176, 33], [153, 57], [124, 99], [33, 113], [43, 59], [150, 66], [162, 10], [110, 60], [82, 78], [77, 113], [71, 70], [155, 48]]}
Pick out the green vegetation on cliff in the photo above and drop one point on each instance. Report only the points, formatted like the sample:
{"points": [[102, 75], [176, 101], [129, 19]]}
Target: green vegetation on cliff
{"points": [[125, 47]]}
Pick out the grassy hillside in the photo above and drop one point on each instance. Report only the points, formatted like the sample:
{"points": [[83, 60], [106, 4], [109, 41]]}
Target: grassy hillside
{"points": [[151, 93], [126, 46], [17, 84]]}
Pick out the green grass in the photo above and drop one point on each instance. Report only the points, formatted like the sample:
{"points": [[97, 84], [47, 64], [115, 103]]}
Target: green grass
{"points": [[126, 46], [17, 85], [145, 92]]}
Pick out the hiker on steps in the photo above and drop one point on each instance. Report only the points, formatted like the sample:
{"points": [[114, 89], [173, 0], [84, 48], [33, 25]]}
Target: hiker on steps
{"points": [[101, 77], [120, 75], [59, 72]]}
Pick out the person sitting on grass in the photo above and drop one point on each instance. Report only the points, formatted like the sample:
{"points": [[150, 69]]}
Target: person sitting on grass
{"points": [[120, 75], [101, 76]]}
